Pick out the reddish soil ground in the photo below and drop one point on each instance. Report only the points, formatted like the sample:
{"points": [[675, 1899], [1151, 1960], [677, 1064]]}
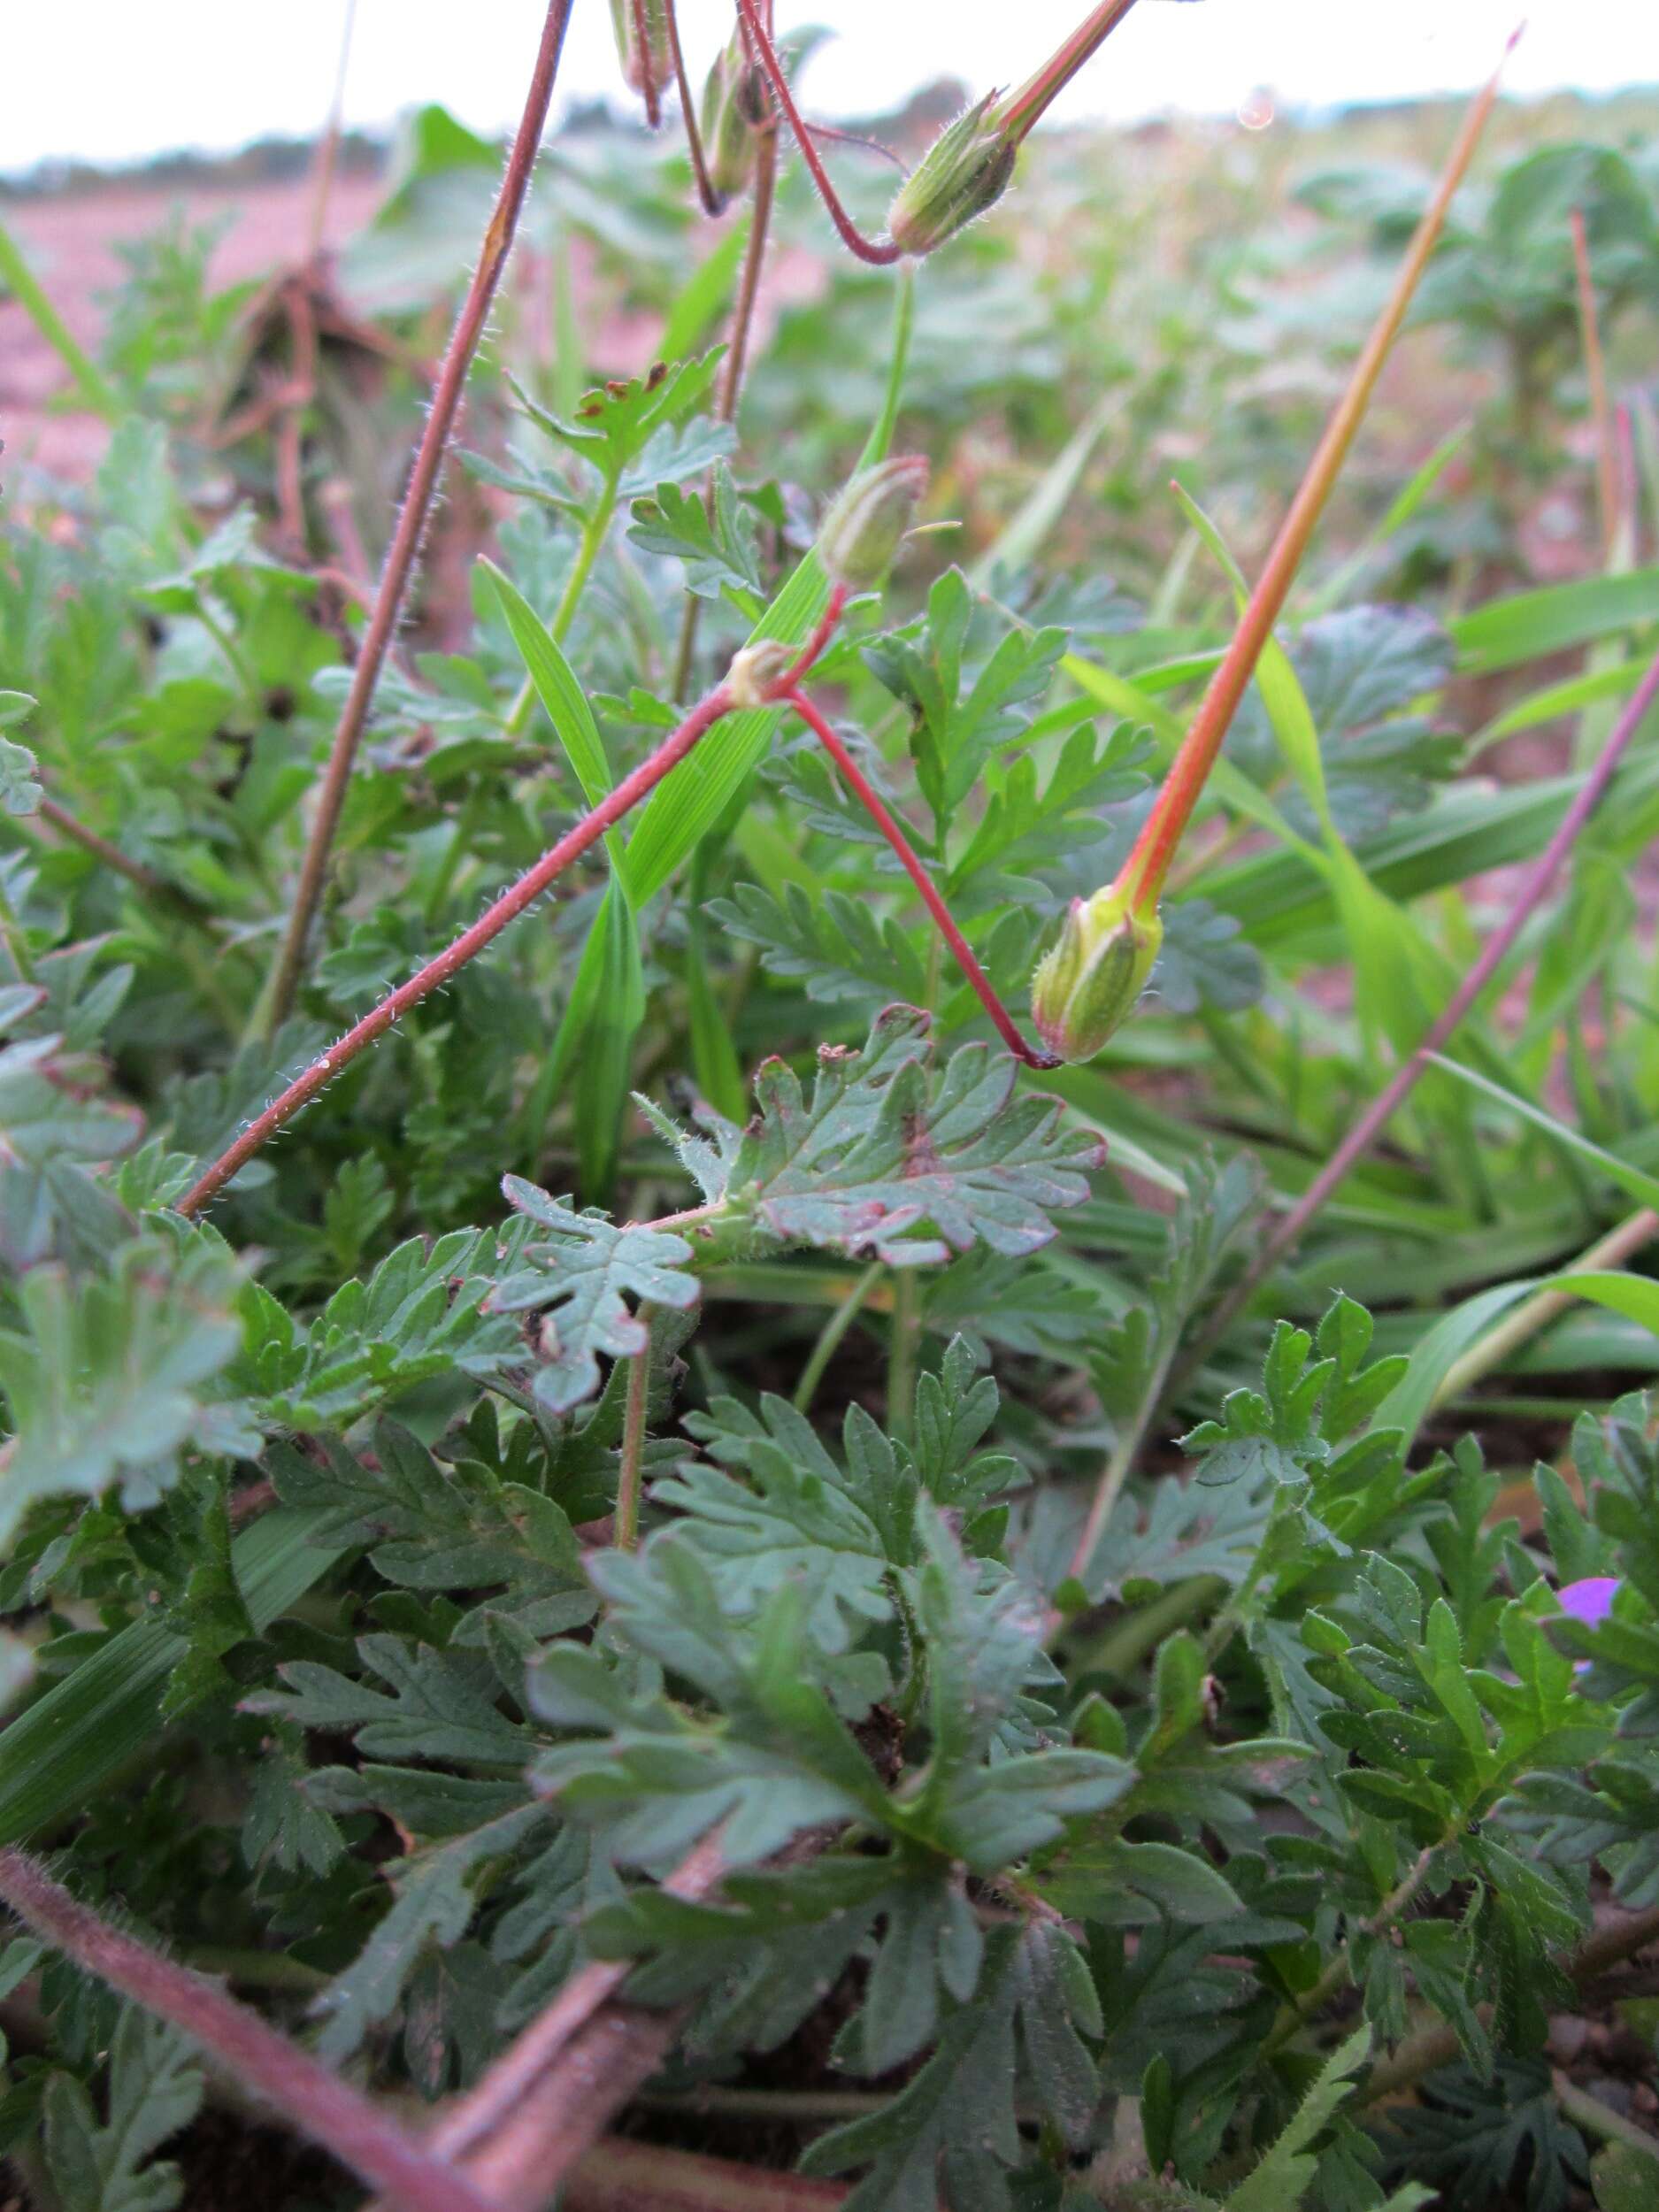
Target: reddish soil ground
{"points": [[71, 241]]}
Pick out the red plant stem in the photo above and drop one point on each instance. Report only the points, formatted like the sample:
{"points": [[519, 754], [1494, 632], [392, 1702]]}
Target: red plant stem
{"points": [[325, 2108], [404, 549], [542, 2105], [890, 828], [1596, 370], [647, 68], [621, 2175], [466, 947], [1029, 103], [878, 252], [507, 908], [1369, 1128], [748, 285], [712, 201], [1141, 876]]}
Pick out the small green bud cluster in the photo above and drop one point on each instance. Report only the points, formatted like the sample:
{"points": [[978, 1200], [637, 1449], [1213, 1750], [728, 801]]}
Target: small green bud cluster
{"points": [[1088, 983], [864, 529], [735, 105], [965, 171]]}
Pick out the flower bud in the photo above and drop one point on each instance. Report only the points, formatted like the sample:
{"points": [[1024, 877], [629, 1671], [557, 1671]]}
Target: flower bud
{"points": [[1084, 987], [655, 64], [756, 668], [735, 105], [863, 530], [964, 171]]}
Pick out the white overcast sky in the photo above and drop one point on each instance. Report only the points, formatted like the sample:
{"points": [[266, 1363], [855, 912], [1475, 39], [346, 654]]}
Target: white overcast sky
{"points": [[106, 81]]}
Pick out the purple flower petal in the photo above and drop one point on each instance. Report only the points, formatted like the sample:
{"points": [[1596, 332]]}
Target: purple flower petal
{"points": [[1591, 1599]]}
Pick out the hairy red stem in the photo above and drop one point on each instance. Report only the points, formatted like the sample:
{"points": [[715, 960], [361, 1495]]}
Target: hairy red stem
{"points": [[507, 908], [325, 2108], [543, 2104], [712, 201], [621, 2175], [891, 829], [404, 549], [1141, 876], [1369, 1128], [878, 252], [466, 947], [1029, 103], [648, 71]]}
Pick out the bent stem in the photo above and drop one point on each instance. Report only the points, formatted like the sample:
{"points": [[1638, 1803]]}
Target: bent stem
{"points": [[1365, 1132], [324, 2108], [879, 252], [1141, 877], [887, 823], [512, 902], [466, 947], [404, 549]]}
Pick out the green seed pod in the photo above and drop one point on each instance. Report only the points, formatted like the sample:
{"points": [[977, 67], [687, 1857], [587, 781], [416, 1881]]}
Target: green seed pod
{"points": [[1084, 987], [658, 53], [735, 105], [863, 530], [964, 171]]}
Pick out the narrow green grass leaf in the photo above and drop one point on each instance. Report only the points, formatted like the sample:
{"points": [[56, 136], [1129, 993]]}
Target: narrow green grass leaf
{"points": [[1022, 539], [1555, 700], [1630, 1179], [56, 1755], [1532, 623], [702, 299]]}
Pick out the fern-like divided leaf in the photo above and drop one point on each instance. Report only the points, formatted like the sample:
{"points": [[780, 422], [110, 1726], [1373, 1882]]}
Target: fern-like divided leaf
{"points": [[878, 1155], [114, 1379], [577, 1274], [870, 1159]]}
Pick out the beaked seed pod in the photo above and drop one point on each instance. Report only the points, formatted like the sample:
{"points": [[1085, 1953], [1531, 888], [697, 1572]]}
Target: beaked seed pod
{"points": [[735, 105], [658, 53], [863, 530], [1084, 987], [963, 171]]}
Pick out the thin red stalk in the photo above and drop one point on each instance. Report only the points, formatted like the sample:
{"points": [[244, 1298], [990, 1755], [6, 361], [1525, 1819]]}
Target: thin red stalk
{"points": [[878, 252], [108, 854], [325, 2108], [891, 829], [512, 903], [466, 947], [711, 200], [648, 69], [1595, 370], [1369, 1128], [1032, 99], [404, 549], [621, 2175], [1141, 877], [328, 148], [544, 2103], [749, 284]]}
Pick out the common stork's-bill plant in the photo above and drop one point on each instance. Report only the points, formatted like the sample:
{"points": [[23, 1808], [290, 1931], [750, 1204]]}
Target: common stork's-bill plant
{"points": [[648, 1556]]}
